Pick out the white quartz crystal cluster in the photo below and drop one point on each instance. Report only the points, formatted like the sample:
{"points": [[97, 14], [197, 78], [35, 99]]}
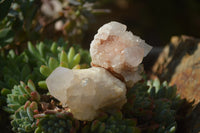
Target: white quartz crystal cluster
{"points": [[116, 57], [119, 51], [85, 91]]}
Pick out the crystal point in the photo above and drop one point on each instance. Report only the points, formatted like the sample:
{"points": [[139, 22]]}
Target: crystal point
{"points": [[119, 51], [86, 91]]}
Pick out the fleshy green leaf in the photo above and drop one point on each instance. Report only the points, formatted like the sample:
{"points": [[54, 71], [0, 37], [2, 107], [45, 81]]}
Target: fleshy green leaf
{"points": [[45, 70], [76, 60], [71, 54], [53, 63], [42, 84], [63, 57]]}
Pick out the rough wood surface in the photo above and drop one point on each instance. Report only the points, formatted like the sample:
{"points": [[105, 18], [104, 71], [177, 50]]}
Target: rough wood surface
{"points": [[179, 63]]}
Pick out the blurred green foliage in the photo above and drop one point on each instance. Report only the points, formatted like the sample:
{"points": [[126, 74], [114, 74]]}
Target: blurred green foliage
{"points": [[52, 121], [15, 68], [17, 21], [31, 20], [112, 123]]}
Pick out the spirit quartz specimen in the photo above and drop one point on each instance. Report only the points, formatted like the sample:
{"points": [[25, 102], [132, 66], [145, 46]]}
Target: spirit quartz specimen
{"points": [[119, 51], [116, 56], [86, 91]]}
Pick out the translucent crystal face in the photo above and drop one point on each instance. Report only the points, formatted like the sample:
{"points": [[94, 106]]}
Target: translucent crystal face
{"points": [[118, 50], [86, 91], [57, 83]]}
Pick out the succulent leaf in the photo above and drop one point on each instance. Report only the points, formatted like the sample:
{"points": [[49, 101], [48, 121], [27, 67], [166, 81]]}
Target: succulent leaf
{"points": [[5, 91], [60, 122], [71, 54], [76, 59], [54, 48], [20, 94], [63, 57], [42, 84], [67, 60], [53, 63], [153, 102], [114, 123], [45, 70], [24, 121]]}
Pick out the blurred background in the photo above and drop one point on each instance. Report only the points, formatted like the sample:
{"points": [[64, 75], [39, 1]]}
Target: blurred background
{"points": [[77, 21], [154, 21]]}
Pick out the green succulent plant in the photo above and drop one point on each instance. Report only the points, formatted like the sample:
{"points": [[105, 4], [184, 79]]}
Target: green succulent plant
{"points": [[22, 67], [153, 110], [20, 95], [113, 123], [164, 91], [56, 122], [67, 60], [154, 105], [15, 69], [24, 102], [42, 51], [25, 66], [23, 119]]}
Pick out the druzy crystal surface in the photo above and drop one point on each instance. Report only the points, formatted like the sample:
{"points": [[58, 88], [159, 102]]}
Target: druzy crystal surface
{"points": [[86, 91], [119, 51]]}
